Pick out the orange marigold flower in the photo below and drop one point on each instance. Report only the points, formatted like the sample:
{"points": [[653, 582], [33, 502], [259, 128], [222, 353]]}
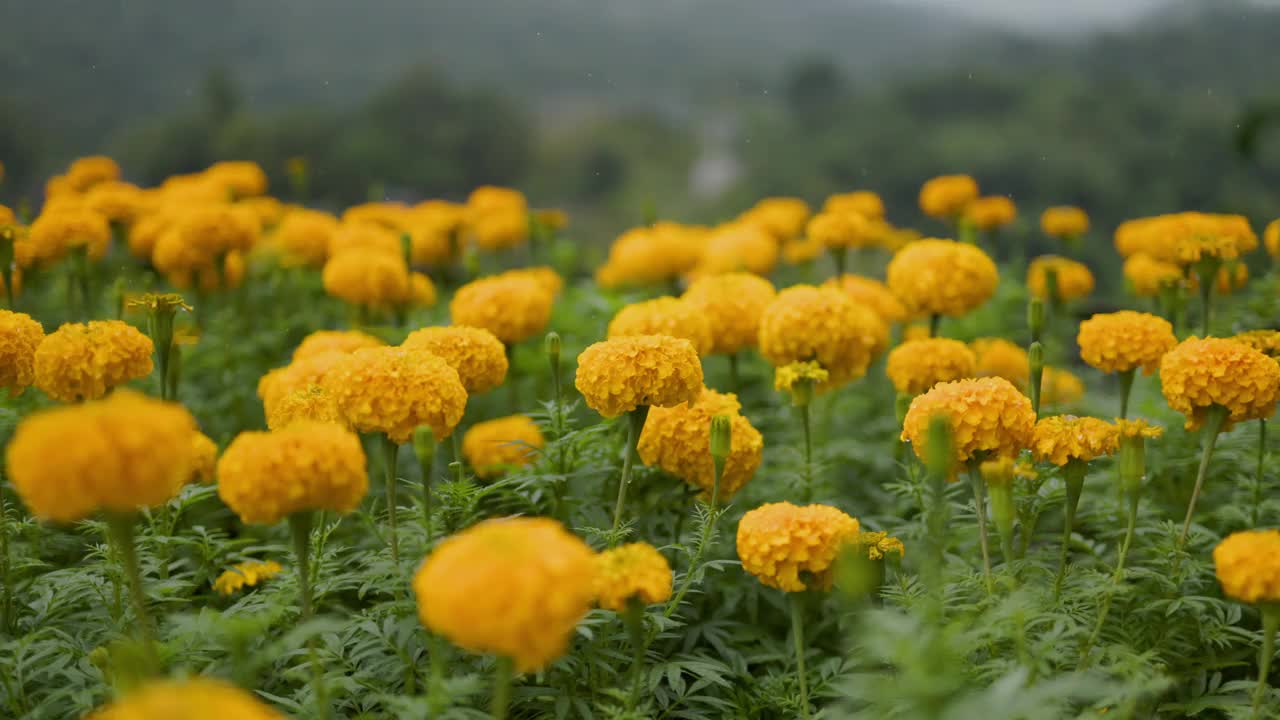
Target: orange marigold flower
{"points": [[786, 377], [514, 587], [82, 361], [1060, 387], [304, 236], [545, 276], [1215, 371], [1147, 276], [737, 247], [1073, 279], [824, 325], [88, 171], [619, 375], [204, 456], [947, 196], [781, 217], [477, 354], [991, 213], [1064, 222], [1125, 341], [511, 307], [1266, 342], [997, 357], [20, 336], [871, 293], [652, 254], [987, 416], [1248, 566], [864, 202], [240, 178], [394, 390], [732, 304], [369, 278], [118, 202], [1059, 439], [917, 365], [635, 571], [194, 699], [942, 277], [312, 403], [678, 440], [663, 316], [494, 446], [297, 375], [778, 541], [1271, 238], [840, 230], [1137, 428], [57, 232], [343, 341], [245, 574]]}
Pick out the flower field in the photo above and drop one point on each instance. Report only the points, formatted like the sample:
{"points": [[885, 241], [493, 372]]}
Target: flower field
{"points": [[453, 460]]}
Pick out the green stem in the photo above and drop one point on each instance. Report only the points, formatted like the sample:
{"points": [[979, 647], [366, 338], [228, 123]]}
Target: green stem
{"points": [[839, 255], [1116, 578], [980, 508], [389, 452], [121, 529], [1258, 477], [934, 321], [797, 633], [513, 380], [1003, 512], [501, 688], [1126, 386], [707, 530], [735, 380], [806, 428], [633, 618], [1215, 419], [300, 527], [6, 601], [455, 439], [1270, 624], [1073, 473], [635, 423]]}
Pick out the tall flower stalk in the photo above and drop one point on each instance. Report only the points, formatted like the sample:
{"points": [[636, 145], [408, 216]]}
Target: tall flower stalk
{"points": [[635, 423]]}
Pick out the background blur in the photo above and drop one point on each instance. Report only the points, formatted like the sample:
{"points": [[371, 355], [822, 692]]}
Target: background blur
{"points": [[692, 109]]}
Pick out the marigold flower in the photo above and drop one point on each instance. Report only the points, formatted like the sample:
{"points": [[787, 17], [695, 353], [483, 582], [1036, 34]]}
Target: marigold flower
{"points": [[864, 202], [1064, 222], [802, 250], [786, 377], [312, 403], [649, 255], [1074, 280], [1232, 276], [240, 178], [1185, 238], [737, 247], [1060, 387], [80, 361], [987, 416], [266, 476], [245, 574], [840, 230], [663, 316], [1124, 341], [204, 457], [997, 357], [732, 304], [115, 455], [513, 587], [365, 236], [871, 293], [369, 278], [268, 210], [778, 541], [20, 335], [422, 292], [822, 324], [476, 354], [917, 365], [1147, 276], [494, 446], [58, 231], [678, 440], [781, 217], [1266, 342], [511, 307], [118, 202], [297, 375], [394, 390], [942, 277], [385, 215], [1215, 371], [621, 374], [304, 236], [90, 170], [992, 212], [342, 341], [878, 544], [637, 571], [499, 230], [1271, 238], [947, 196], [1137, 428], [1059, 439], [194, 699], [1248, 566]]}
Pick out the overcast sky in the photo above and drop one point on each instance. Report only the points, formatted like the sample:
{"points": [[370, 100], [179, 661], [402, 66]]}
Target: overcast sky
{"points": [[1055, 14]]}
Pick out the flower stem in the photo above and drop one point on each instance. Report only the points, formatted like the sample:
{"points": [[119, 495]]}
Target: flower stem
{"points": [[300, 527], [1073, 473], [1116, 578], [980, 508], [839, 256], [806, 428], [389, 452], [1257, 486], [1215, 419], [797, 633], [455, 438], [501, 688], [1270, 624], [635, 423], [934, 321], [735, 380], [707, 530], [121, 528], [1126, 386], [6, 600], [633, 618]]}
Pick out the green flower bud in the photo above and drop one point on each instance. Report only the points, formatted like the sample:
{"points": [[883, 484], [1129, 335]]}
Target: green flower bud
{"points": [[1035, 317], [721, 436], [551, 344]]}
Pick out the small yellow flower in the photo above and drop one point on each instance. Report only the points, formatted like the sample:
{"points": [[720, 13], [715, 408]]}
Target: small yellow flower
{"points": [[942, 277], [1215, 371], [779, 541], [341, 341], [947, 196], [1125, 341], [312, 403], [1147, 276], [297, 376], [1138, 428], [664, 316], [204, 457], [991, 213], [873, 294], [864, 202], [650, 255], [1271, 238], [1266, 342], [840, 230], [194, 699], [1061, 438], [494, 446], [20, 336], [86, 172], [1060, 387], [917, 365], [512, 307], [477, 354], [806, 323], [782, 217], [617, 376], [786, 377], [1064, 222], [368, 278], [56, 232], [637, 571], [737, 247], [245, 574], [997, 357], [987, 416], [83, 361], [879, 544], [304, 237], [1248, 566], [1074, 280], [732, 304]]}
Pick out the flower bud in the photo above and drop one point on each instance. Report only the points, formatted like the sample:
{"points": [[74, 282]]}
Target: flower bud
{"points": [[1035, 317], [721, 436], [1132, 459], [551, 345]]}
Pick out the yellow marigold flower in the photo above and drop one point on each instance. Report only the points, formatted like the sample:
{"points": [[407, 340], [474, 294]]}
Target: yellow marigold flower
{"points": [[545, 276], [997, 357], [872, 294], [621, 374], [115, 455], [433, 239], [1201, 235], [494, 446], [1147, 276], [118, 202], [947, 196], [663, 316], [304, 236], [1124, 341], [1232, 276], [477, 354], [297, 375], [732, 304], [864, 202], [1060, 387], [1137, 428], [7, 216], [781, 217], [499, 230], [637, 571], [245, 574], [1271, 238], [822, 324], [1248, 566], [802, 250], [20, 335], [840, 230], [88, 171], [787, 376], [369, 278], [266, 476], [942, 277], [878, 544], [552, 218], [988, 416], [991, 213], [343, 341], [678, 440], [312, 403], [80, 361], [204, 456], [386, 215], [268, 210], [493, 197], [1266, 342], [195, 699], [737, 247], [1215, 371], [1059, 439], [57, 232], [240, 178], [513, 308], [778, 541], [394, 390], [649, 255], [998, 471], [515, 587], [147, 230], [917, 365], [1074, 280], [1064, 222], [212, 230], [365, 236], [422, 292]]}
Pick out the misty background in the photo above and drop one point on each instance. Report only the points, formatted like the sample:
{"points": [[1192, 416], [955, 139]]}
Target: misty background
{"points": [[690, 108]]}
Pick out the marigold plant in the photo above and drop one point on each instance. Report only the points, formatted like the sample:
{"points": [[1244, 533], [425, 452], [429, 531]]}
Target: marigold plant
{"points": [[779, 541], [664, 316], [678, 439], [822, 324], [1125, 341], [1073, 279], [477, 354], [987, 416], [512, 307], [634, 571], [1200, 373], [493, 446]]}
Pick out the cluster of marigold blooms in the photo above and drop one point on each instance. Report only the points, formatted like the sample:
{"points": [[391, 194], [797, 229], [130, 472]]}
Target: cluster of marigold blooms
{"points": [[196, 229]]}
